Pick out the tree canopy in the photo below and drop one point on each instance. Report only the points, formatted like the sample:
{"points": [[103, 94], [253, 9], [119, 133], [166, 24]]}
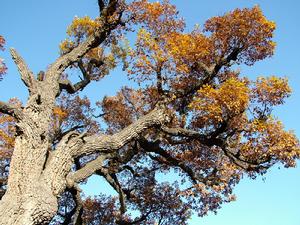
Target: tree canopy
{"points": [[191, 114]]}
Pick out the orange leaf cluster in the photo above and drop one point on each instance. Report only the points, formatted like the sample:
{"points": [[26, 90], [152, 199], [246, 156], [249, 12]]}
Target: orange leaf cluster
{"points": [[271, 90], [246, 30], [187, 49], [158, 17], [268, 142], [2, 65]]}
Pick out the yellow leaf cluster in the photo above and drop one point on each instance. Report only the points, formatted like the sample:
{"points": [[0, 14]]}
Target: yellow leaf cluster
{"points": [[7, 138], [65, 46], [84, 25], [79, 29], [271, 90], [187, 49], [213, 105]]}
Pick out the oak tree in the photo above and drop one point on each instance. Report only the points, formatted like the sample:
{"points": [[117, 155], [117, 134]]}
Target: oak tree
{"points": [[192, 115]]}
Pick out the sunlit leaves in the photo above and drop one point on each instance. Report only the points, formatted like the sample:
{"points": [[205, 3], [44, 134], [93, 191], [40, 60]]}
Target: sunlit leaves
{"points": [[82, 26], [158, 20], [227, 123], [246, 30], [214, 105], [271, 90], [80, 29], [6, 135], [231, 112], [188, 49], [101, 59]]}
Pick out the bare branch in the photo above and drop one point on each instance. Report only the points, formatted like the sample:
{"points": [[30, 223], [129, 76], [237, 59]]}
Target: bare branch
{"points": [[246, 164], [178, 131], [79, 86], [109, 9], [72, 89], [159, 78], [169, 159], [26, 75], [60, 134], [112, 179], [208, 139], [96, 166], [74, 145]]}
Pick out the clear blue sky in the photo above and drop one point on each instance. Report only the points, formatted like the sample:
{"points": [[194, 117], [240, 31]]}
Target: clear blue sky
{"points": [[36, 27]]}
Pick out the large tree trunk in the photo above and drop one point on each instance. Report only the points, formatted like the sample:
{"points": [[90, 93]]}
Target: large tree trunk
{"points": [[39, 169], [29, 198], [37, 206]]}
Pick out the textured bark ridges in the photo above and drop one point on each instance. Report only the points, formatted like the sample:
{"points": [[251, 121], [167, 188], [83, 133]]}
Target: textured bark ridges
{"points": [[196, 117], [37, 176]]}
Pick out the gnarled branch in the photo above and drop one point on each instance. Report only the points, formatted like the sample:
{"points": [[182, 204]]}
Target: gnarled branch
{"points": [[94, 40], [111, 143], [26, 75]]}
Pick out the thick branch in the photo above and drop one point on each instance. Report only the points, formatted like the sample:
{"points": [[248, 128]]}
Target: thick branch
{"points": [[94, 40], [72, 89], [109, 9], [246, 164], [79, 86], [111, 143], [96, 166], [208, 139], [10, 110], [107, 143], [75, 214], [89, 169], [101, 5], [74, 145], [26, 75]]}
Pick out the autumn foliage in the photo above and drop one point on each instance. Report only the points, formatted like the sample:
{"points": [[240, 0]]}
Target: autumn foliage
{"points": [[220, 125], [2, 65]]}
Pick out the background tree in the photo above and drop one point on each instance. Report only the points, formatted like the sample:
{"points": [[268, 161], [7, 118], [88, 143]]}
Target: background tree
{"points": [[192, 115]]}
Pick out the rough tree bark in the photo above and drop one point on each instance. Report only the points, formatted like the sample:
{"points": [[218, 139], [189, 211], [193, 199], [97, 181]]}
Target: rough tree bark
{"points": [[212, 151], [37, 176]]}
